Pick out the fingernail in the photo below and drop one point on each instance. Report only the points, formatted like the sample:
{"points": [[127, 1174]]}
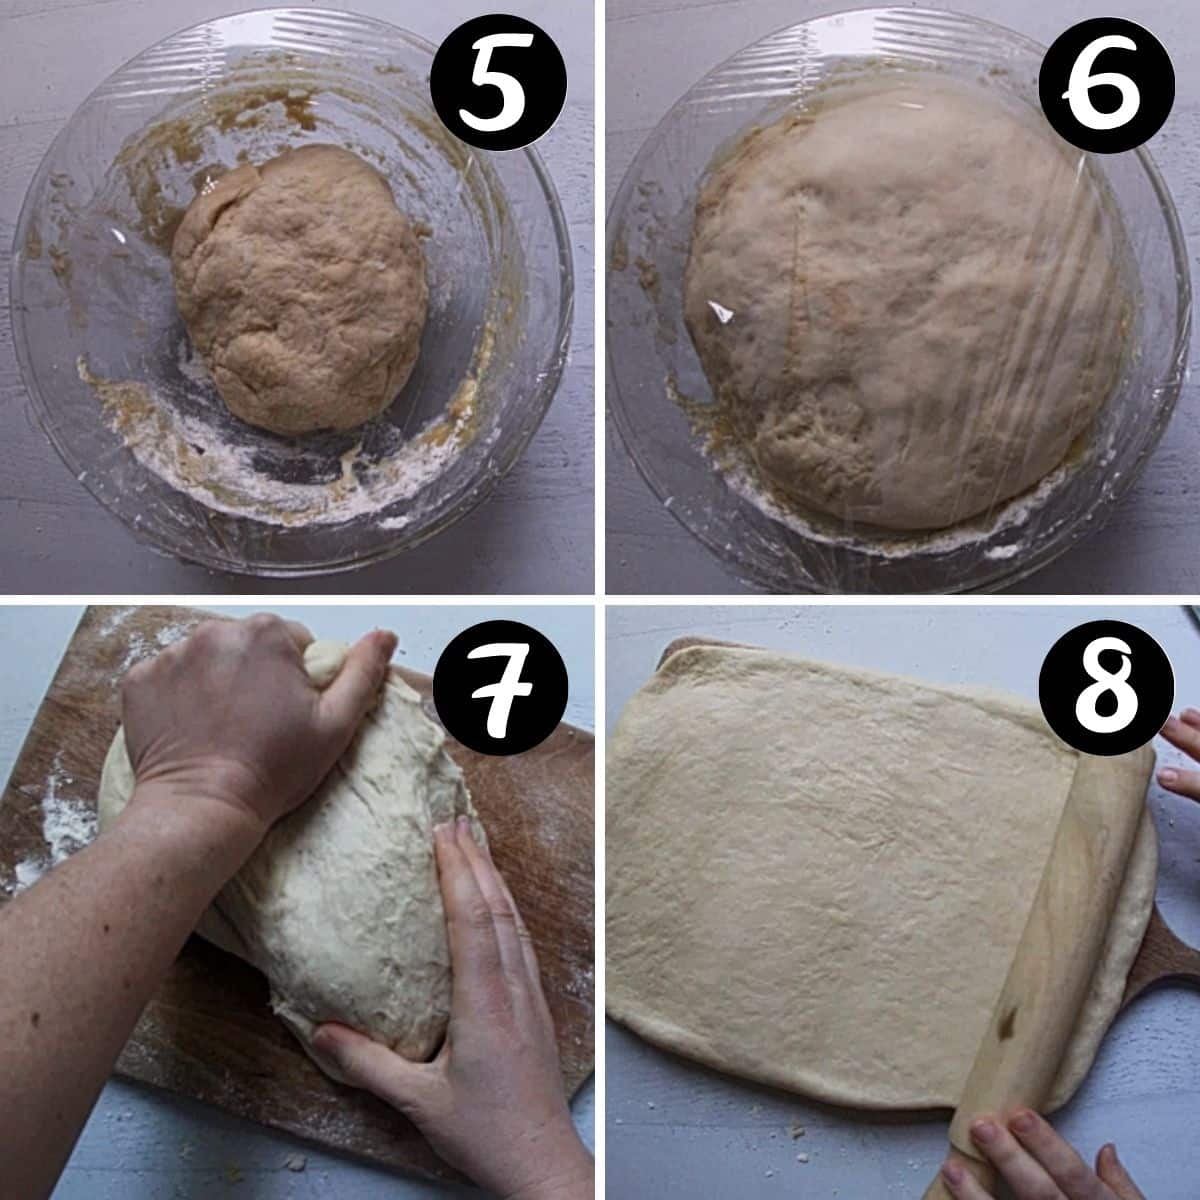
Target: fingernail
{"points": [[984, 1131], [1171, 723], [1022, 1123], [1190, 714], [443, 831], [1168, 777], [464, 822], [953, 1172]]}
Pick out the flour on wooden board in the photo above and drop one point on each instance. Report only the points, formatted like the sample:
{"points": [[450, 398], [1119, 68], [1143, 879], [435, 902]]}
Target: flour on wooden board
{"points": [[68, 824], [141, 647]]}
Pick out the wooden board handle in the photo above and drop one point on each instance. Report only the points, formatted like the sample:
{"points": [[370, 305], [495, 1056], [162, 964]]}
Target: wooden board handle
{"points": [[1162, 957]]}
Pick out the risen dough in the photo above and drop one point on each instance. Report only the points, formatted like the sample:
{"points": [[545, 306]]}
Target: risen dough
{"points": [[303, 287], [339, 906], [818, 877], [926, 310]]}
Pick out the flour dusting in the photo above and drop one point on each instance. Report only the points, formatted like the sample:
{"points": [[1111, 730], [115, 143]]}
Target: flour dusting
{"points": [[68, 823]]}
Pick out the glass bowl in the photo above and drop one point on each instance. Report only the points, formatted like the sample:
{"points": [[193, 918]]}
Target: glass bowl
{"points": [[660, 397], [108, 363]]}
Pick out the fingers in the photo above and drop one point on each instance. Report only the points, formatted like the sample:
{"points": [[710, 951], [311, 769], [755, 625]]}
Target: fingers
{"points": [[1027, 1178], [300, 634], [1182, 783], [504, 916], [474, 951], [367, 1064], [1074, 1178], [263, 622], [532, 969], [962, 1183], [345, 702], [1113, 1173]]}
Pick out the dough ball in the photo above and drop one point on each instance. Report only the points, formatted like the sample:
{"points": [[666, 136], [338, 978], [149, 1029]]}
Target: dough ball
{"points": [[303, 288], [920, 303], [339, 906]]}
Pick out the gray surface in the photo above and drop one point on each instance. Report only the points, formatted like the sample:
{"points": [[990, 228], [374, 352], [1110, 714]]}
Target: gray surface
{"points": [[675, 1130], [534, 535], [1147, 548], [143, 1144]]}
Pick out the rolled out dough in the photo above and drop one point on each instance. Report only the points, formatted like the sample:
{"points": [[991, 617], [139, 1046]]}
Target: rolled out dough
{"points": [[339, 906], [818, 877], [908, 298]]}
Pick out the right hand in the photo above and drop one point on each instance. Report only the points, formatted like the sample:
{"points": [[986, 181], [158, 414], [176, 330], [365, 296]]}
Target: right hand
{"points": [[230, 715], [1183, 732], [492, 1102]]}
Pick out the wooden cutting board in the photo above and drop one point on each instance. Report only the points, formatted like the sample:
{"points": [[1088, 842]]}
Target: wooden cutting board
{"points": [[209, 1033]]}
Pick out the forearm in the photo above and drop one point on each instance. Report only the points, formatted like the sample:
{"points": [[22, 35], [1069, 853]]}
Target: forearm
{"points": [[83, 950]]}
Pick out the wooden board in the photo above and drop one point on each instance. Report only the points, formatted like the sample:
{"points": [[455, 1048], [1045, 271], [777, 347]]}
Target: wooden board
{"points": [[208, 1033]]}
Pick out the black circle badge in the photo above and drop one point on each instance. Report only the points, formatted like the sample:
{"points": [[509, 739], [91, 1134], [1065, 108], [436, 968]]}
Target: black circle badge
{"points": [[1107, 85], [498, 82], [500, 687], [1106, 687]]}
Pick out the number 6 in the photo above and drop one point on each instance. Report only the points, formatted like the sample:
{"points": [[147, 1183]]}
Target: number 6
{"points": [[1081, 83], [514, 95]]}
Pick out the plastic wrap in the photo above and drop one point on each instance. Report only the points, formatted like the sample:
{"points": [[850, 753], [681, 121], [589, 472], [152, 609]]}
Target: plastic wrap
{"points": [[874, 327]]}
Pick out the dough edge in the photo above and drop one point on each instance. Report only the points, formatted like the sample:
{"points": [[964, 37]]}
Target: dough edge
{"points": [[1131, 916]]}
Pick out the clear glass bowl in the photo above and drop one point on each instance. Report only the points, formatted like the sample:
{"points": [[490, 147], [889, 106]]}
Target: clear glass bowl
{"points": [[659, 387], [109, 366]]}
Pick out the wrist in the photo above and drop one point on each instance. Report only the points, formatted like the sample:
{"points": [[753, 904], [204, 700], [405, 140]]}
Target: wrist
{"points": [[570, 1177], [192, 826]]}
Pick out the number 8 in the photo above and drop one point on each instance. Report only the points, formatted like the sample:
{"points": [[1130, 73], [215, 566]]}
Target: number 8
{"points": [[514, 95], [1081, 83]]}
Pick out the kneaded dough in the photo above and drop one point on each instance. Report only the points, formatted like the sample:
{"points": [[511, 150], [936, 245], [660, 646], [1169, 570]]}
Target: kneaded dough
{"points": [[339, 906], [818, 877], [302, 286], [907, 301]]}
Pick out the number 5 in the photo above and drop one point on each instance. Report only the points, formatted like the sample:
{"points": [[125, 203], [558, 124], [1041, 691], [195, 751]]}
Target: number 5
{"points": [[514, 95], [1081, 83]]}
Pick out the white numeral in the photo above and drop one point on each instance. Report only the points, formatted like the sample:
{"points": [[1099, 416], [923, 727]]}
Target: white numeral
{"points": [[1082, 81], [1127, 701], [509, 687], [514, 94]]}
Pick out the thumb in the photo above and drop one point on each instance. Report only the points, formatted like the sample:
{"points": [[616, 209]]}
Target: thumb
{"points": [[373, 1067], [1113, 1173], [345, 701]]}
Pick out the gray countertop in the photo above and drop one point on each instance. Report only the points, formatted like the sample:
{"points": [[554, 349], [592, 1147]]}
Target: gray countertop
{"points": [[535, 533], [676, 1130], [145, 1144], [657, 49]]}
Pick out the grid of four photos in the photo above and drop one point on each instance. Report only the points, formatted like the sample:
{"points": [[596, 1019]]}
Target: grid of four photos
{"points": [[599, 600]]}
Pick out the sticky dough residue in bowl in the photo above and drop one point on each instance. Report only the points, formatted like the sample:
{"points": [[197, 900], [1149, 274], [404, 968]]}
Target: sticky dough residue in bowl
{"points": [[176, 426]]}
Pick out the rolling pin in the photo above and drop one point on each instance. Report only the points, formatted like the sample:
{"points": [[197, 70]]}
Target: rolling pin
{"points": [[1052, 970]]}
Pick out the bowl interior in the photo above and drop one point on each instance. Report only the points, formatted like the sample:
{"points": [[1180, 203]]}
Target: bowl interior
{"points": [[661, 400], [109, 364]]}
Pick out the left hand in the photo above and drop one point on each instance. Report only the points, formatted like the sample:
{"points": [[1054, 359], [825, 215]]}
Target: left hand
{"points": [[1039, 1165]]}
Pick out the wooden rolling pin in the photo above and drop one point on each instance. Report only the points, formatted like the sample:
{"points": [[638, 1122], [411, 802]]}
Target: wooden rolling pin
{"points": [[1051, 973]]}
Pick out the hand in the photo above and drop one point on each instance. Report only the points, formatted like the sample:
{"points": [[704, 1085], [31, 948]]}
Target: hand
{"points": [[230, 715], [1183, 732], [1038, 1165], [492, 1102]]}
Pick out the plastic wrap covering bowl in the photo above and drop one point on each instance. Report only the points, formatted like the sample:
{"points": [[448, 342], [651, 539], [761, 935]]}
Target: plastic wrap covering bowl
{"points": [[109, 365], [777, 322]]}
